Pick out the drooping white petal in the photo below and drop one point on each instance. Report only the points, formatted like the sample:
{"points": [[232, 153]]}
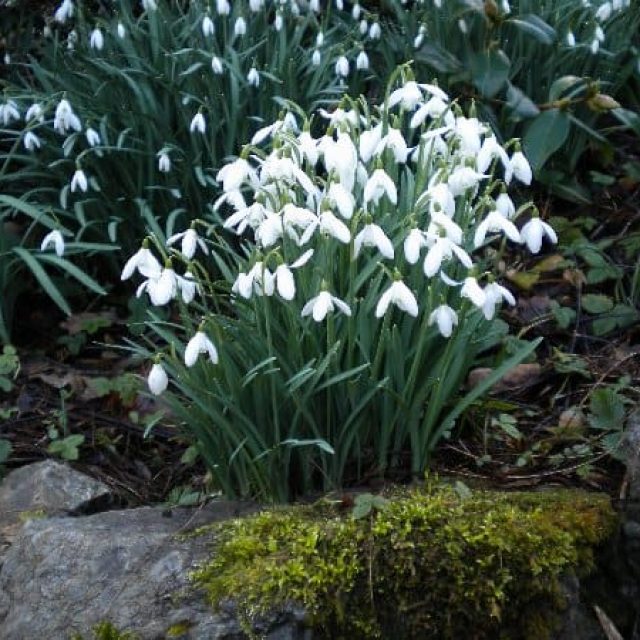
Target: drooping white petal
{"points": [[53, 238], [157, 380]]}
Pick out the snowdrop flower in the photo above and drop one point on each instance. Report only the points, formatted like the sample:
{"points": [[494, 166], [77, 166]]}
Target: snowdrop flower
{"points": [[65, 118], [378, 184], [257, 280], [342, 67], [9, 112], [356, 10], [494, 295], [96, 41], [144, 262], [505, 206], [433, 108], [234, 174], [342, 199], [341, 156], [396, 142], [157, 380], [489, 150], [121, 31], [31, 141], [495, 222], [93, 137], [161, 289], [72, 39], [316, 58], [520, 168], [440, 198], [208, 28], [446, 318], [308, 148], [314, 5], [188, 287], [375, 31], [200, 343], [278, 22], [409, 96], [223, 7], [334, 227], [246, 216], [256, 5], [604, 12], [419, 39], [373, 236], [443, 249], [79, 181], [506, 8], [288, 123], [319, 39], [570, 39], [322, 304], [473, 291], [413, 243], [462, 179], [369, 142], [468, 132], [400, 295], [462, 26], [364, 27], [53, 238], [595, 46], [164, 162], [149, 5], [534, 231], [285, 284], [34, 112], [198, 123], [339, 5], [253, 77], [362, 61], [240, 27], [190, 242], [216, 65], [64, 11]]}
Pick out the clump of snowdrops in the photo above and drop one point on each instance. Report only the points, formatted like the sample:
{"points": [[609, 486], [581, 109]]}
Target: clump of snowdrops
{"points": [[341, 341]]}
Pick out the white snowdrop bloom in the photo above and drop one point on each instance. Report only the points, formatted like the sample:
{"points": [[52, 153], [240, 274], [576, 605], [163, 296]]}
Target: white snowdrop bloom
{"points": [[256, 5], [441, 224], [270, 230], [340, 116], [314, 5], [198, 123], [363, 27], [433, 108], [473, 291], [216, 65], [440, 198], [341, 156], [149, 5], [489, 150], [65, 118], [164, 162], [240, 27], [520, 168], [285, 283], [413, 244], [188, 287], [462, 26], [144, 262], [316, 58], [258, 280], [395, 141], [253, 77], [356, 10], [400, 295], [342, 67], [96, 41], [408, 96], [31, 141], [53, 238], [468, 132], [34, 112], [233, 198], [298, 219], [493, 223], [378, 184], [72, 39], [462, 179], [443, 249], [362, 61], [247, 216], [208, 28], [200, 343], [419, 39], [322, 304], [570, 39], [288, 123], [93, 137], [161, 289], [372, 235], [223, 7], [595, 46], [64, 11], [375, 31], [190, 242], [339, 5], [278, 23], [334, 227], [604, 11], [308, 148], [446, 318], [319, 39], [9, 112], [121, 31], [437, 4], [506, 7], [157, 380], [342, 199], [505, 206], [79, 181], [494, 295], [534, 231], [369, 141]]}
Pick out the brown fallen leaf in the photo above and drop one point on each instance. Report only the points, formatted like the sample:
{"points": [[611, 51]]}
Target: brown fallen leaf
{"points": [[520, 376]]}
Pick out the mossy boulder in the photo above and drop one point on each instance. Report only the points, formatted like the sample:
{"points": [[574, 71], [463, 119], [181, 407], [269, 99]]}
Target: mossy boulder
{"points": [[433, 562]]}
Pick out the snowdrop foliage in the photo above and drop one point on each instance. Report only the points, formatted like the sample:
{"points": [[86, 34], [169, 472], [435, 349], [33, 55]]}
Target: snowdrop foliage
{"points": [[364, 241]]}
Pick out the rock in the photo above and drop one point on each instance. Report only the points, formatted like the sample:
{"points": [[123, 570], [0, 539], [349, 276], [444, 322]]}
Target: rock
{"points": [[41, 489], [64, 575]]}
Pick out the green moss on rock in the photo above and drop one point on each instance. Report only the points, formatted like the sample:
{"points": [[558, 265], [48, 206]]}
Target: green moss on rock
{"points": [[431, 564]]}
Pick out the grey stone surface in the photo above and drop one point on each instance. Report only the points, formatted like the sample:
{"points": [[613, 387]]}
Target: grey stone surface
{"points": [[64, 575], [43, 488]]}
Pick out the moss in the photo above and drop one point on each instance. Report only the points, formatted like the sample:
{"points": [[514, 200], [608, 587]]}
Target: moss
{"points": [[107, 631], [430, 564]]}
